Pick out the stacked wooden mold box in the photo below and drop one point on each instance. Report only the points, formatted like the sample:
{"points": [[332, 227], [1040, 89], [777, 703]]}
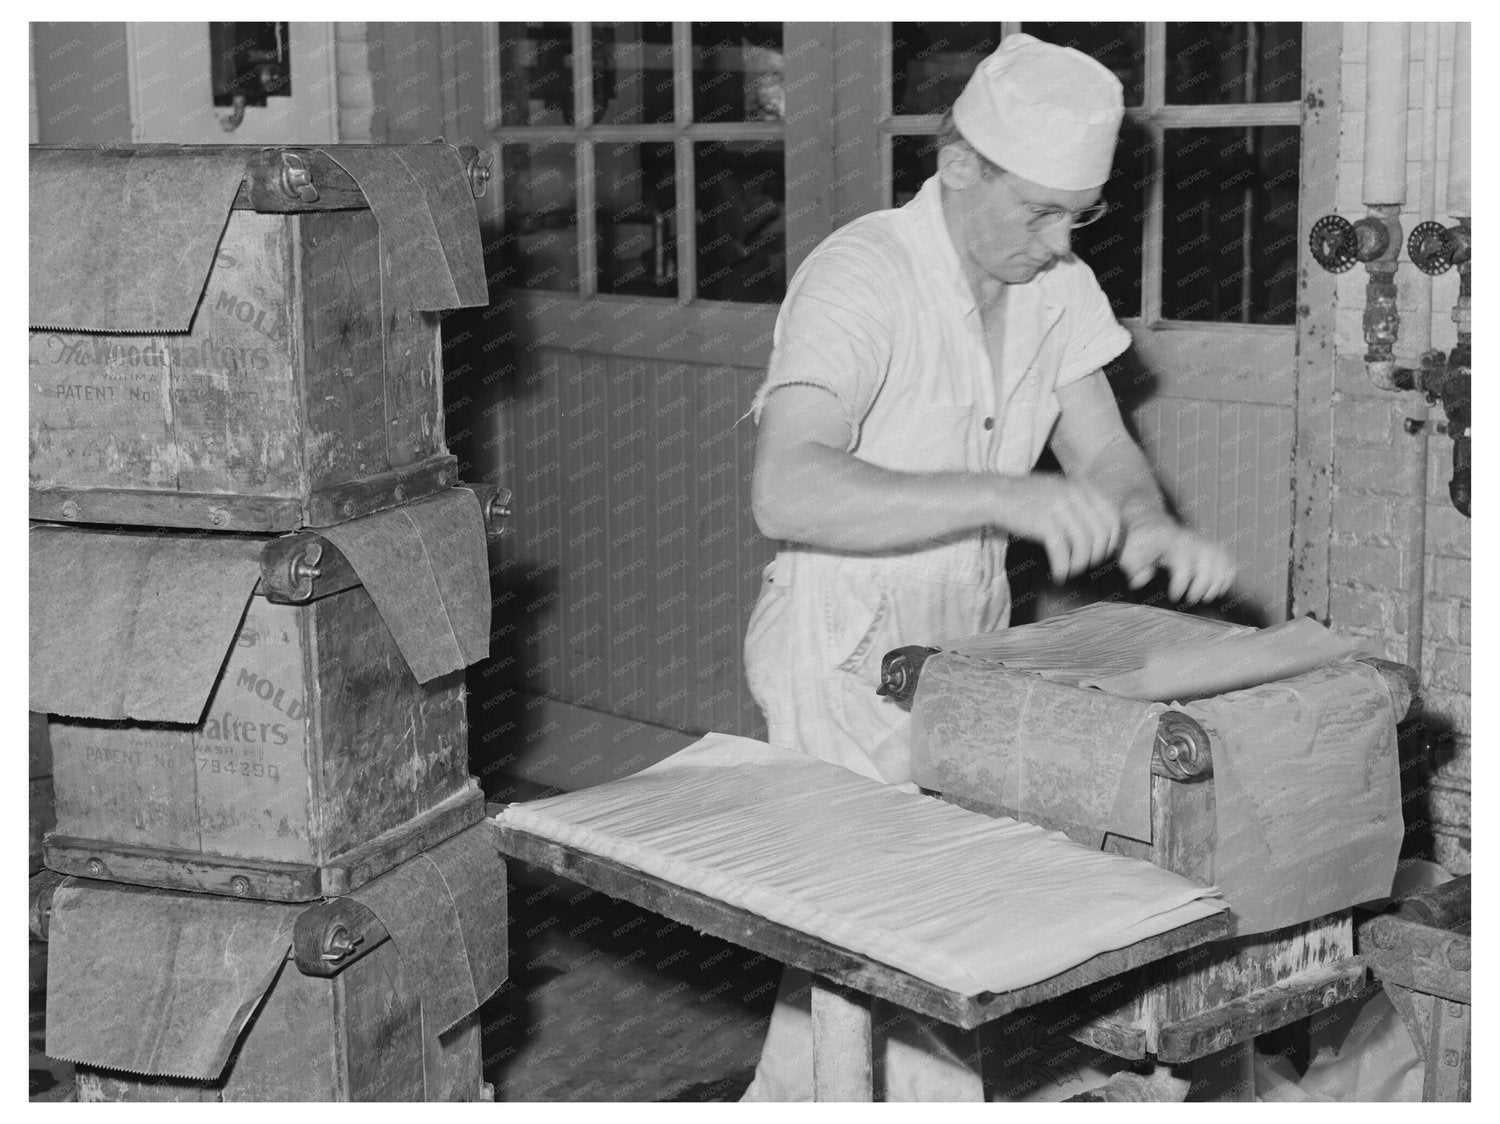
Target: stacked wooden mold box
{"points": [[255, 583]]}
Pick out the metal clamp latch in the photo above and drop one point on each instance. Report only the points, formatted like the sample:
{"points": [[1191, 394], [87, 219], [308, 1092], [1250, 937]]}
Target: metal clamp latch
{"points": [[302, 569], [497, 511], [479, 173], [296, 179]]}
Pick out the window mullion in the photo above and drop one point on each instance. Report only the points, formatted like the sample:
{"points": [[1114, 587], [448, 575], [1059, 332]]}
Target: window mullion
{"points": [[915, 125], [736, 131], [583, 76], [1247, 196], [583, 160], [588, 234], [687, 223], [807, 138], [687, 204], [1153, 234], [682, 74], [884, 103], [582, 136]]}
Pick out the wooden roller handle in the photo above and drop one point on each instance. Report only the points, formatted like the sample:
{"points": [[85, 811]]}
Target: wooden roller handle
{"points": [[1181, 752], [1404, 685]]}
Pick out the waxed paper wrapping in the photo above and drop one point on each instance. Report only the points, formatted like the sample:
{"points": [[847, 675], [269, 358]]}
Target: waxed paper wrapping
{"points": [[429, 226], [445, 912], [154, 982], [1098, 640], [965, 901], [162, 611], [122, 240], [1144, 652], [1074, 760], [1230, 662], [1308, 791], [426, 567]]}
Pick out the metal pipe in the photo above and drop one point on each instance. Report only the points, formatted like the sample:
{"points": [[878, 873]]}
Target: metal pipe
{"points": [[1387, 62], [1414, 572], [1387, 66], [1460, 204]]}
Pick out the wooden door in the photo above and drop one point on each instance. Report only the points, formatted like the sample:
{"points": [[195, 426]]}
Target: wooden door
{"points": [[654, 186]]}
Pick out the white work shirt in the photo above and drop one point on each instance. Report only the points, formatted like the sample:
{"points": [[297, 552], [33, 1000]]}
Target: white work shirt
{"points": [[882, 316]]}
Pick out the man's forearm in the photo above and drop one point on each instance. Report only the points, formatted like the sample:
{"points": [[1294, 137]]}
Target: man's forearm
{"points": [[807, 488], [825, 497], [828, 498], [1120, 470], [1199, 570]]}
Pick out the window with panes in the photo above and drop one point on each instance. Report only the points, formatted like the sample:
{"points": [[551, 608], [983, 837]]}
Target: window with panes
{"points": [[642, 159], [1202, 225]]}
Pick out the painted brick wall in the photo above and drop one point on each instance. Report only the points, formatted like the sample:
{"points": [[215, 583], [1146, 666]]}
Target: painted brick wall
{"points": [[79, 84], [1378, 495], [356, 98]]}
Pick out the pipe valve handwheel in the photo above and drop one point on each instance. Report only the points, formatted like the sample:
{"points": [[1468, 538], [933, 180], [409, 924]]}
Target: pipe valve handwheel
{"points": [[1430, 248], [1334, 243]]}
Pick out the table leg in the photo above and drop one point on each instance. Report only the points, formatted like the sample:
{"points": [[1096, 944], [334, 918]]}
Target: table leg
{"points": [[1241, 1061], [1447, 1054], [842, 1043]]}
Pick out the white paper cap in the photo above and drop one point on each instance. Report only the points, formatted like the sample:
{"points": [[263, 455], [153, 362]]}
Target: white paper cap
{"points": [[1047, 113]]}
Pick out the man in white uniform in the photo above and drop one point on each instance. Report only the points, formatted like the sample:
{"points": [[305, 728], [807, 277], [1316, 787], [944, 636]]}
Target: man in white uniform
{"points": [[923, 359]]}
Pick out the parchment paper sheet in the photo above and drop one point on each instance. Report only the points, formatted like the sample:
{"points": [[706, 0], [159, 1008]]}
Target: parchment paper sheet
{"points": [[122, 240], [154, 982], [1308, 795], [445, 911], [426, 567], [962, 900], [161, 612], [428, 222]]}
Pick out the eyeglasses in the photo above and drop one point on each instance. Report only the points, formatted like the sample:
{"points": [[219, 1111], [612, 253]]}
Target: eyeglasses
{"points": [[1045, 218]]}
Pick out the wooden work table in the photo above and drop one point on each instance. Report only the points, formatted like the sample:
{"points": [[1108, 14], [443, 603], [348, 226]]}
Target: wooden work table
{"points": [[844, 982]]}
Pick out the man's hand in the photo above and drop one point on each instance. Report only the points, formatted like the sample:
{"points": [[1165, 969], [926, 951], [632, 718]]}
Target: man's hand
{"points": [[1200, 570], [1074, 520]]}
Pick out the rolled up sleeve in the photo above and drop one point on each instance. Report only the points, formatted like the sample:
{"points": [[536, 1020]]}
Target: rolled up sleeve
{"points": [[1094, 335], [834, 332]]}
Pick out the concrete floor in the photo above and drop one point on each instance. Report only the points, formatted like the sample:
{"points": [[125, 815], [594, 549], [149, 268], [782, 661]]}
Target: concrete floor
{"points": [[607, 1002]]}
